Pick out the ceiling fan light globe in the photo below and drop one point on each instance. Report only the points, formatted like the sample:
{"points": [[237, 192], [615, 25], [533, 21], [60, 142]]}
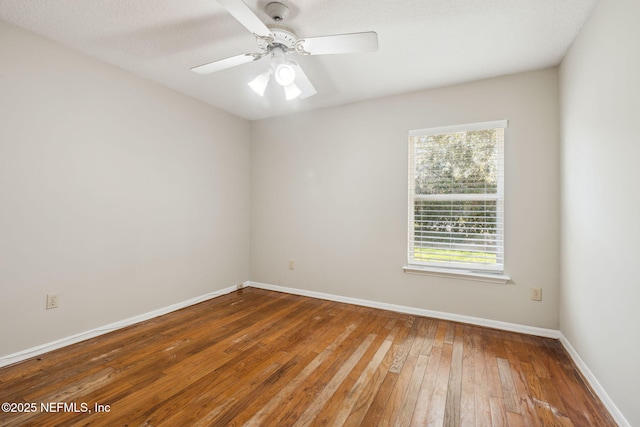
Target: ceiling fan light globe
{"points": [[285, 74], [259, 84], [291, 91]]}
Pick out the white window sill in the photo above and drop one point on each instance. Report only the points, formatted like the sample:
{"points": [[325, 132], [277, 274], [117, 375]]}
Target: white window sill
{"points": [[458, 274]]}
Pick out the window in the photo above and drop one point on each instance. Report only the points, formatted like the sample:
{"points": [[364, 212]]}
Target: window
{"points": [[456, 198]]}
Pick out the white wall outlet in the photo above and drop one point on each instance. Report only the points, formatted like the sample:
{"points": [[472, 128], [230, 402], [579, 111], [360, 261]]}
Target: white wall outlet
{"points": [[52, 301], [239, 286], [536, 294], [291, 265]]}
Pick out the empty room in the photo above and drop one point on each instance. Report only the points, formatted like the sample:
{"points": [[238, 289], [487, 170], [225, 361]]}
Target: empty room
{"points": [[296, 213]]}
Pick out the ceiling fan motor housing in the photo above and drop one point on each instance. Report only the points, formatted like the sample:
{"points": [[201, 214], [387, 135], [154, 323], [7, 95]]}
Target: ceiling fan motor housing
{"points": [[282, 37]]}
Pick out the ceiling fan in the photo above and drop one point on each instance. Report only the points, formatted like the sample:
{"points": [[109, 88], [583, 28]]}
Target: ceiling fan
{"points": [[277, 42]]}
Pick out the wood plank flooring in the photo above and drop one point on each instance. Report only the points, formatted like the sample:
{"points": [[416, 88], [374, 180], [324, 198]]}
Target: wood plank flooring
{"points": [[261, 358]]}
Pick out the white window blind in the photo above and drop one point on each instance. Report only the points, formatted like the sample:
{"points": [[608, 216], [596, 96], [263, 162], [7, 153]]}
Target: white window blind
{"points": [[456, 197]]}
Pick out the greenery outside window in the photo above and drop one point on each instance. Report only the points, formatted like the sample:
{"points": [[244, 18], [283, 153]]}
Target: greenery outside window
{"points": [[456, 197]]}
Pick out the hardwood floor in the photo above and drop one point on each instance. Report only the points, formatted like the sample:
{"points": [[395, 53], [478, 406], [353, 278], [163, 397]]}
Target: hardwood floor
{"points": [[261, 358]]}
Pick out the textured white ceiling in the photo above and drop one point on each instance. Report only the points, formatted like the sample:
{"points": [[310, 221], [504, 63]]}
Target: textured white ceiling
{"points": [[423, 43]]}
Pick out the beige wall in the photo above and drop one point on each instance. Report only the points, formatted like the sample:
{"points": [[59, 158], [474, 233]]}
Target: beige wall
{"points": [[329, 190], [117, 194], [601, 204]]}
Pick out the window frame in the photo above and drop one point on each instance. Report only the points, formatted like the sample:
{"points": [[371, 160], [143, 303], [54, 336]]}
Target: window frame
{"points": [[487, 273]]}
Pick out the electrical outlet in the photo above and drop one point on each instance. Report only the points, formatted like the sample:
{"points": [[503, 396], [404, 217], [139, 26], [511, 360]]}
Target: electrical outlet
{"points": [[52, 301], [291, 266], [536, 294], [239, 286]]}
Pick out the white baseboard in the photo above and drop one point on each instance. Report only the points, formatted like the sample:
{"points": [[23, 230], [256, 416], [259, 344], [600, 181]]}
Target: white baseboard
{"points": [[594, 383], [63, 342], [512, 327]]}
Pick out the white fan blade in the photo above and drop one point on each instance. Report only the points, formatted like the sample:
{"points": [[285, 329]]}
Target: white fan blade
{"points": [[340, 43], [303, 82], [245, 16], [223, 64]]}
